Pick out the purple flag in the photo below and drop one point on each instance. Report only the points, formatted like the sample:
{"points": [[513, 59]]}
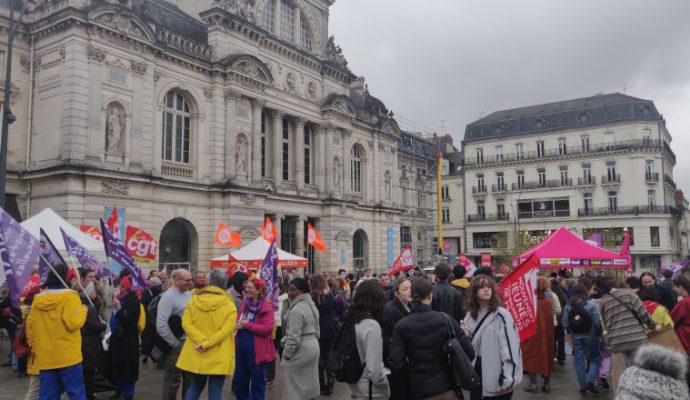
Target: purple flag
{"points": [[677, 268], [18, 252], [596, 239], [268, 271], [117, 251], [50, 255], [85, 257]]}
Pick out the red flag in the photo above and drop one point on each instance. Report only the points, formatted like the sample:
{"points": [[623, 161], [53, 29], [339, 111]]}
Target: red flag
{"points": [[140, 245], [92, 231], [226, 237], [268, 231], [113, 223], [625, 250], [314, 239], [404, 262], [519, 293]]}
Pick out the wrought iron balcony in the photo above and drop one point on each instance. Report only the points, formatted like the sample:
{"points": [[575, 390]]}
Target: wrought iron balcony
{"points": [[479, 189], [611, 179], [551, 183], [499, 188], [627, 210], [586, 181], [651, 177], [487, 217]]}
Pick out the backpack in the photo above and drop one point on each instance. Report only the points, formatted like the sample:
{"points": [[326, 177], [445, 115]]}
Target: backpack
{"points": [[579, 319], [152, 345], [344, 360]]}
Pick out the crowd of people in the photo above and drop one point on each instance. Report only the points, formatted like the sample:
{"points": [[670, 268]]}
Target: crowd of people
{"points": [[205, 329]]}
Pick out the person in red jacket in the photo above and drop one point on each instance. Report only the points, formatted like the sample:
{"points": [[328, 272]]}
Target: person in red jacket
{"points": [[254, 344], [681, 314]]}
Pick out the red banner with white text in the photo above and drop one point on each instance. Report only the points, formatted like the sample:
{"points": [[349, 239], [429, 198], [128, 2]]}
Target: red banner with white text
{"points": [[519, 293]]}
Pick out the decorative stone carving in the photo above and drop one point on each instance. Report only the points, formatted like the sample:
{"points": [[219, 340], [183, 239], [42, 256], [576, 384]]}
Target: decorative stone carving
{"points": [[334, 53], [290, 82], [231, 95], [208, 93], [342, 209], [241, 156], [138, 68], [115, 186], [123, 23], [95, 53], [387, 186], [114, 128], [337, 173], [248, 200], [156, 76], [257, 104], [311, 90], [63, 53]]}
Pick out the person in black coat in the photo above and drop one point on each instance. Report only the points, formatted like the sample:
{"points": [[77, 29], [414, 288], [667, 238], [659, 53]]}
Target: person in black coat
{"points": [[124, 342], [395, 310], [328, 326], [91, 347], [447, 299], [417, 346], [669, 298]]}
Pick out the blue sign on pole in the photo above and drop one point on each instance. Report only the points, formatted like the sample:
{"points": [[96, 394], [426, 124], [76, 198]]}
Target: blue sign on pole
{"points": [[390, 246]]}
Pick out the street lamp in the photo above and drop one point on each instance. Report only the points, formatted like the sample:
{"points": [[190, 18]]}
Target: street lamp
{"points": [[7, 116]]}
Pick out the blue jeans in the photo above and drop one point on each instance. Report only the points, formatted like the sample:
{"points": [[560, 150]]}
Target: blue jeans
{"points": [[591, 346], [55, 381], [247, 371], [215, 387]]}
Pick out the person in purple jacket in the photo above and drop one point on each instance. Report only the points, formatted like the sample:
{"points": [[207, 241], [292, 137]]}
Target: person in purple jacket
{"points": [[254, 344]]}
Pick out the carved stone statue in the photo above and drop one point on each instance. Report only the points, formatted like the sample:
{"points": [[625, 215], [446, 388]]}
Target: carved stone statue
{"points": [[334, 54], [387, 186], [290, 82], [337, 173], [241, 157], [113, 131]]}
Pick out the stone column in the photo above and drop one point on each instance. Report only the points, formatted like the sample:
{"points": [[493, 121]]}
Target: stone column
{"points": [[277, 147], [278, 223], [299, 152], [347, 184], [328, 160], [299, 235], [318, 157], [231, 98], [257, 106]]}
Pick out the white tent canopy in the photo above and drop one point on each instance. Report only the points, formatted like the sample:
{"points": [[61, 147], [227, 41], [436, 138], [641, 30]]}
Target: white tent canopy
{"points": [[51, 223], [253, 254]]}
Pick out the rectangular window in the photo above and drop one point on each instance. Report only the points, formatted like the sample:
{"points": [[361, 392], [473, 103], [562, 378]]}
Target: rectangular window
{"points": [[445, 215], [405, 234], [542, 177], [543, 208], [404, 196], [481, 209], [286, 149], [421, 199], [480, 184], [589, 204], [500, 183], [584, 144], [611, 172], [263, 144], [445, 193], [540, 148], [587, 174], [307, 154], [520, 180], [287, 20], [519, 153], [176, 129], [501, 209], [480, 155], [649, 170], [654, 236], [499, 153], [267, 16], [613, 202], [647, 137], [651, 199], [562, 147], [489, 240], [609, 139], [564, 176]]}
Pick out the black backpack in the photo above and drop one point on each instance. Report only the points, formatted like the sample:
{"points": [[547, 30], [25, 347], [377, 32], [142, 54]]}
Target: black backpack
{"points": [[344, 360], [579, 319]]}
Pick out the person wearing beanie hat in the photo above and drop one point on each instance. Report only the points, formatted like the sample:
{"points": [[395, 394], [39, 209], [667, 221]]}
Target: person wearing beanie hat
{"points": [[658, 373], [484, 271], [236, 287]]}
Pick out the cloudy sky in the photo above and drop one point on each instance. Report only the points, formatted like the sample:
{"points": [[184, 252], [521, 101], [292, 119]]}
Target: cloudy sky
{"points": [[456, 60]]}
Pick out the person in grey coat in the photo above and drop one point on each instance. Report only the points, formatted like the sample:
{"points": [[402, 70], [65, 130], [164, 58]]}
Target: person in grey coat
{"points": [[300, 363], [658, 373]]}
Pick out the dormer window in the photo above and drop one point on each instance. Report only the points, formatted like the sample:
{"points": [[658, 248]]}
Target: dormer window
{"points": [[283, 18]]}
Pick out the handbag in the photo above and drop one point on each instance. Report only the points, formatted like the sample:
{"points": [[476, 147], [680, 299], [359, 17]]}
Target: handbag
{"points": [[20, 347], [462, 370]]}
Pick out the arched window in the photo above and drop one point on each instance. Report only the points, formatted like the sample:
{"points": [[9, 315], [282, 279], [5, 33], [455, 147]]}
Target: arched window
{"points": [[176, 128], [268, 15], [356, 169], [280, 17], [305, 35]]}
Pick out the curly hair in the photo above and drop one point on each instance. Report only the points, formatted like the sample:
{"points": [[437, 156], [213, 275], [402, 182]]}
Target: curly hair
{"points": [[369, 300], [472, 302]]}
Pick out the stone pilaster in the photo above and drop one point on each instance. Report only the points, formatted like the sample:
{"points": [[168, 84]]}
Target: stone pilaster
{"points": [[257, 106], [277, 147], [299, 235], [299, 152], [328, 160], [231, 98], [347, 156]]}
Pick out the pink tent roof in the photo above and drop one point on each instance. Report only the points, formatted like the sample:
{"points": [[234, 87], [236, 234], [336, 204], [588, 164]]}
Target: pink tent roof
{"points": [[564, 249]]}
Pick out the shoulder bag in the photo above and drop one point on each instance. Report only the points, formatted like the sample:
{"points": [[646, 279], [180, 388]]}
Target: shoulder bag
{"points": [[462, 370]]}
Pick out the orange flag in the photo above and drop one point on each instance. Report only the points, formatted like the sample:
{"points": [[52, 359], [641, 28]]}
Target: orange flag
{"points": [[268, 231], [314, 239], [226, 237]]}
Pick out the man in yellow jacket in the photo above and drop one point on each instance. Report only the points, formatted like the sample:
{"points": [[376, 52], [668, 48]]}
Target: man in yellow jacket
{"points": [[53, 333]]}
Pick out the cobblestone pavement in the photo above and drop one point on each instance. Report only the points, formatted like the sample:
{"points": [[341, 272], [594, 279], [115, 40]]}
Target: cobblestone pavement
{"points": [[563, 385]]}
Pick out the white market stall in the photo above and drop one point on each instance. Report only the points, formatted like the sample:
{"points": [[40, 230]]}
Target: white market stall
{"points": [[254, 253]]}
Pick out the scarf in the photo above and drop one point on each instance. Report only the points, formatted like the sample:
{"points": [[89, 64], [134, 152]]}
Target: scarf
{"points": [[254, 307]]}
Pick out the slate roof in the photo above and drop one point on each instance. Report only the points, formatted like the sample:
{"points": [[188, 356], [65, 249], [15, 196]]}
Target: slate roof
{"points": [[170, 17], [579, 113]]}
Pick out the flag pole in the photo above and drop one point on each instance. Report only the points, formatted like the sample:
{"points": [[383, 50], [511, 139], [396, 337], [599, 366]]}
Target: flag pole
{"points": [[79, 282]]}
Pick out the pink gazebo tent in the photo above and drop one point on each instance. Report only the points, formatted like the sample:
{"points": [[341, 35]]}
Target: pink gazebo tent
{"points": [[564, 249]]}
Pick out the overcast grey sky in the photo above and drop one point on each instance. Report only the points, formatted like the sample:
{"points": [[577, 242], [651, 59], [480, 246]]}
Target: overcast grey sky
{"points": [[453, 60]]}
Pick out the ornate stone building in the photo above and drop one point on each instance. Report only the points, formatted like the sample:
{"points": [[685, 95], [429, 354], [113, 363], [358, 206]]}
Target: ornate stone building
{"points": [[194, 113]]}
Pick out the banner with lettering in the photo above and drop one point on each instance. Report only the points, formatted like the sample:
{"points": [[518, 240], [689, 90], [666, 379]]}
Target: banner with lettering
{"points": [[404, 262], [519, 293], [141, 246], [92, 231]]}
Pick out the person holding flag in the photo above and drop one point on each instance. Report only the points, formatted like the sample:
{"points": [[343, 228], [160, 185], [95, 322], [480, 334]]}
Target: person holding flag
{"points": [[124, 341]]}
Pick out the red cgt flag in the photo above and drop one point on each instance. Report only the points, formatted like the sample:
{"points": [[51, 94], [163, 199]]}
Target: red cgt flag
{"points": [[404, 262], [268, 231], [226, 237], [519, 293], [92, 231], [314, 239]]}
